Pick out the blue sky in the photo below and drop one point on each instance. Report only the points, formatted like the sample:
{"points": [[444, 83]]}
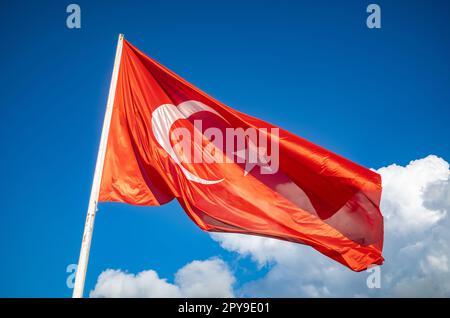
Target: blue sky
{"points": [[312, 67]]}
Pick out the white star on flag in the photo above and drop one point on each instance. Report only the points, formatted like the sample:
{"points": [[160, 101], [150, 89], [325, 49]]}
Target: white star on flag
{"points": [[254, 156]]}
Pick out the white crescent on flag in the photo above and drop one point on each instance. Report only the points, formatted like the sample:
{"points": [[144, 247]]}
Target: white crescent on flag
{"points": [[163, 118]]}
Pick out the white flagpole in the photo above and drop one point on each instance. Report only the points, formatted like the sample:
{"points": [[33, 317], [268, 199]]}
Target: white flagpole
{"points": [[92, 207]]}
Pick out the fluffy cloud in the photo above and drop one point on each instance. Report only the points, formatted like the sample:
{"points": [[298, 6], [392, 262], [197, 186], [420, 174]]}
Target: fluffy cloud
{"points": [[403, 199], [116, 283], [210, 278], [415, 203]]}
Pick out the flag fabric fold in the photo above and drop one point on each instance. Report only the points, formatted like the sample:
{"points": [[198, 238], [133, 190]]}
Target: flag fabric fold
{"points": [[232, 172]]}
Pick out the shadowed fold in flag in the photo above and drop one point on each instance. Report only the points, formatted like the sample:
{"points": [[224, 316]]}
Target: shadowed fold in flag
{"points": [[232, 172]]}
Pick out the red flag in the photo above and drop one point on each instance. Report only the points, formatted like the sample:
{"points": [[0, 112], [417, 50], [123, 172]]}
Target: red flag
{"points": [[232, 172]]}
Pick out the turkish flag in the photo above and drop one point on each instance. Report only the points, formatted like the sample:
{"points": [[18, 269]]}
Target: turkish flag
{"points": [[232, 172]]}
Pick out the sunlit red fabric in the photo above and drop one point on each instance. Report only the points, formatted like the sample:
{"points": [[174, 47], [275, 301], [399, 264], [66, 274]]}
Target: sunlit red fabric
{"points": [[316, 198]]}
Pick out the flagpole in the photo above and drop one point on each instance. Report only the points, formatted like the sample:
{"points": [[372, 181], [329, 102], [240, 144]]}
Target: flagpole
{"points": [[92, 207]]}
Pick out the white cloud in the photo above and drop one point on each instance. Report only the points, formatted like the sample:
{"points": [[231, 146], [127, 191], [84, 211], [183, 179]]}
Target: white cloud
{"points": [[209, 278], [260, 249], [115, 283], [415, 204], [403, 187]]}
